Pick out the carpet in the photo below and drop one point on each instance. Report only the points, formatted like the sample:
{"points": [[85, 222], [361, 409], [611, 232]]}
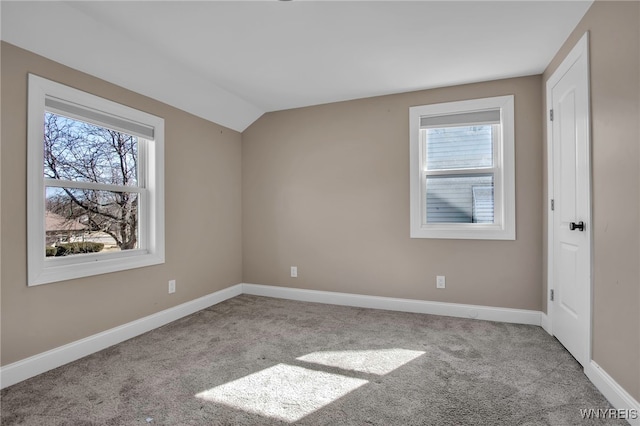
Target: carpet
{"points": [[263, 361]]}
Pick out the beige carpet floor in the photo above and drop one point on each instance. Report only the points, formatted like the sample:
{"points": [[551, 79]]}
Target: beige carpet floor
{"points": [[262, 361]]}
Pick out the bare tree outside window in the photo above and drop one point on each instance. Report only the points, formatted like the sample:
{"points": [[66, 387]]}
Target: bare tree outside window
{"points": [[77, 156]]}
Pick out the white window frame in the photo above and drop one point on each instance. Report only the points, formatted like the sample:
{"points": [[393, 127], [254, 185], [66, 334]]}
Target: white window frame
{"points": [[504, 226], [42, 270]]}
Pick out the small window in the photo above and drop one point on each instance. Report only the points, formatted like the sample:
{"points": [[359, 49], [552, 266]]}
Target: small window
{"points": [[462, 169], [95, 185]]}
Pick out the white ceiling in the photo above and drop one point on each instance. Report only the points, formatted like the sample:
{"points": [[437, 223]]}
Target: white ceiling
{"points": [[230, 62]]}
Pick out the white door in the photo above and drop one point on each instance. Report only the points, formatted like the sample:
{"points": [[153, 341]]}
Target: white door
{"points": [[570, 219]]}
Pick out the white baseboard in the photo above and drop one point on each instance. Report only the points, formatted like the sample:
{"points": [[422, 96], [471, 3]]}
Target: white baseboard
{"points": [[617, 396], [37, 364], [545, 323], [45, 361], [614, 393], [518, 316]]}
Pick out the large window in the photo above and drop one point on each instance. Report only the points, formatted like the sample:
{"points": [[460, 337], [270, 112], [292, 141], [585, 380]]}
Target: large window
{"points": [[462, 169], [95, 185]]}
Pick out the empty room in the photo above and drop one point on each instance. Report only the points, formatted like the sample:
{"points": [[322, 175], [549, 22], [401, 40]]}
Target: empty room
{"points": [[320, 212]]}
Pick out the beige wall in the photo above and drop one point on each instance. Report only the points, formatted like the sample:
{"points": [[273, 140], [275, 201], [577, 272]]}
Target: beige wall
{"points": [[326, 189], [615, 108], [203, 226]]}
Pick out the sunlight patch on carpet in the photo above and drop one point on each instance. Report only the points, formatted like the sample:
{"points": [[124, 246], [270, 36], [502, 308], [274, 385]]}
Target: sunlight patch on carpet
{"points": [[379, 361], [282, 392]]}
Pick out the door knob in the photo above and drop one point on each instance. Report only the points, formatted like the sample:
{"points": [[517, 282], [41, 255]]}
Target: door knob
{"points": [[579, 226]]}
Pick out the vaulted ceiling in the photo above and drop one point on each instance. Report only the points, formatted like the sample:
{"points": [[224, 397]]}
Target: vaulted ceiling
{"points": [[232, 61]]}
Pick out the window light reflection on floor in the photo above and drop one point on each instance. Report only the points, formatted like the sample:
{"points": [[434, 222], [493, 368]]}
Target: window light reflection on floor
{"points": [[379, 361], [289, 393], [283, 392]]}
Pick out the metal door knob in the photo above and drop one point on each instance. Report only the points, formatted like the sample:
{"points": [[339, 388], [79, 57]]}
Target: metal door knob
{"points": [[579, 226]]}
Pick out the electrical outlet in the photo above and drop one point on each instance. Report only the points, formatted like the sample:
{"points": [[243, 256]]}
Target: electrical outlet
{"points": [[294, 272], [172, 286], [440, 281]]}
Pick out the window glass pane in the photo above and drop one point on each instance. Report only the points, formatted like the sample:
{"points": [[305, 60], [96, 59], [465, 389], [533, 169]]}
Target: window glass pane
{"points": [[460, 199], [82, 152], [459, 147], [85, 215]]}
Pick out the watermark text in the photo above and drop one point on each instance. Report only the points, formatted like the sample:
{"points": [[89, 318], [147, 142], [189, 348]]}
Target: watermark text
{"points": [[610, 413]]}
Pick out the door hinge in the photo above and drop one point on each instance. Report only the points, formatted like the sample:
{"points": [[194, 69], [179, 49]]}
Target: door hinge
{"points": [[551, 295], [551, 114], [553, 204]]}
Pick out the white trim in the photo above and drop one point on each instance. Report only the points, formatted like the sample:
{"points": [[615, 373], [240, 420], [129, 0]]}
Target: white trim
{"points": [[611, 390], [41, 270], [581, 49], [503, 172], [38, 364], [615, 394], [518, 316], [545, 323]]}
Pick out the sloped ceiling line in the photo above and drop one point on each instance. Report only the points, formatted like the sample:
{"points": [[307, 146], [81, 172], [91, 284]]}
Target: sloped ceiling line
{"points": [[231, 61]]}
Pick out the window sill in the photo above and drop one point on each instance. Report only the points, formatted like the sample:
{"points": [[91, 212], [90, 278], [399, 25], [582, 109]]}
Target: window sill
{"points": [[79, 266], [464, 232]]}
